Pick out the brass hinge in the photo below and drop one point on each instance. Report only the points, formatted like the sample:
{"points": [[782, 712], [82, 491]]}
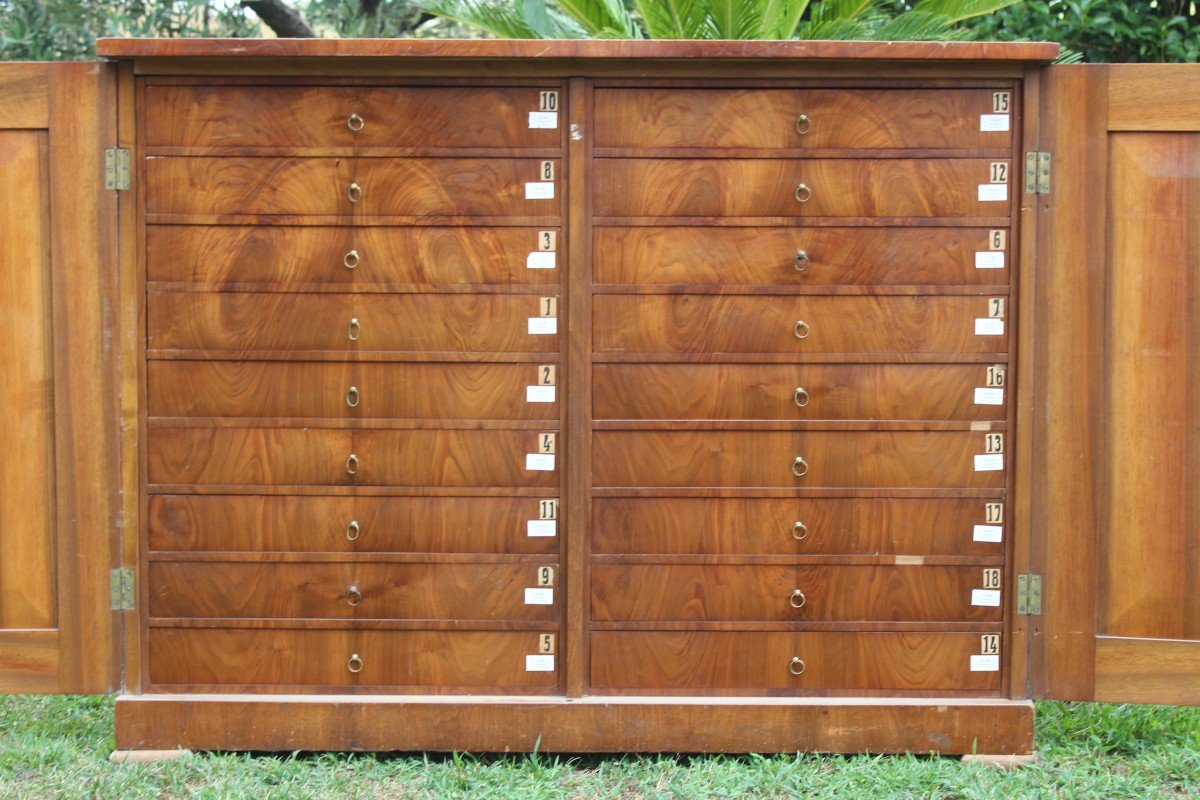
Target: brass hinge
{"points": [[1029, 593], [121, 589], [1037, 173], [116, 168]]}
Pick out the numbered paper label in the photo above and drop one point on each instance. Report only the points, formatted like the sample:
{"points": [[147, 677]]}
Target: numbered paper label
{"points": [[538, 528], [989, 259], [545, 325], [985, 663], [992, 462], [544, 462], [542, 596], [985, 326], [993, 512], [545, 260], [990, 123], [539, 663], [988, 192], [548, 509], [988, 397], [988, 533], [544, 190], [979, 597], [545, 644], [543, 119], [545, 394]]}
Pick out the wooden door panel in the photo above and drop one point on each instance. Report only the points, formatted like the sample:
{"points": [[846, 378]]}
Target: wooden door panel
{"points": [[798, 325], [801, 256], [206, 186], [345, 391], [352, 258], [733, 593], [908, 459], [802, 392], [323, 457], [217, 322], [225, 590], [796, 526], [771, 118], [887, 187], [319, 116]]}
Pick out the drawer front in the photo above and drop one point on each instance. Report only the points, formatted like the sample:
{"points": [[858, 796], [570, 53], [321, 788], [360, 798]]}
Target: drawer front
{"points": [[279, 258], [349, 524], [345, 391], [228, 590], [796, 256], [800, 392], [796, 325], [894, 187], [876, 459], [796, 527], [322, 186], [426, 659], [322, 457], [791, 118], [320, 116], [711, 593], [344, 323], [831, 661]]}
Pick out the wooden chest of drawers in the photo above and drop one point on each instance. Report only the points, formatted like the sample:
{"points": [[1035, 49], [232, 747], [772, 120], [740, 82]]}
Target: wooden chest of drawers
{"points": [[596, 399]]}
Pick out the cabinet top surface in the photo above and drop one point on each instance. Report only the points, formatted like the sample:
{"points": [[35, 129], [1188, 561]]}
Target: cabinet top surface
{"points": [[576, 49]]}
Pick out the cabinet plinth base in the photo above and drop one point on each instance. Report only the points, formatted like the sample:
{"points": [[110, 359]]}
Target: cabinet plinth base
{"points": [[145, 756], [949, 726]]}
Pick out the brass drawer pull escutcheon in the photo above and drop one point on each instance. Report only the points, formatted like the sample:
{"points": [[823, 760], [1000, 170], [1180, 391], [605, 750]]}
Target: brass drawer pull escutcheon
{"points": [[800, 397], [355, 664], [803, 193], [803, 124], [796, 667], [801, 261], [800, 330], [354, 596], [355, 122], [351, 259], [799, 531], [352, 465], [355, 193], [353, 397], [353, 530], [799, 467], [796, 600], [354, 329]]}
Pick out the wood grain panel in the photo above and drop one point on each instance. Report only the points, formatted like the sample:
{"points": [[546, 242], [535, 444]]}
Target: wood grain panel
{"points": [[763, 459], [215, 322], [29, 661], [764, 391], [1154, 97], [769, 255], [275, 456], [294, 258], [27, 525], [1132, 670], [740, 324], [25, 96], [827, 526], [858, 118], [320, 186], [768, 188], [1150, 563], [245, 658], [323, 524], [323, 390], [345, 591], [318, 116], [832, 661], [716, 593]]}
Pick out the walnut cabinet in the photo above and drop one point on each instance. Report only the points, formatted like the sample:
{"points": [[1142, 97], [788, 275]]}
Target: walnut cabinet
{"points": [[598, 396]]}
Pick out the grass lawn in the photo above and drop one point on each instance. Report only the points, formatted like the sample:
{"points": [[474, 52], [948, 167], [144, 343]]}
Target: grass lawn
{"points": [[57, 747]]}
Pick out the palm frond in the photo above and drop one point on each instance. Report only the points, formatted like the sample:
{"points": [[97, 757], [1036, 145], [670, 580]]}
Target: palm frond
{"points": [[673, 19], [781, 18], [599, 17], [841, 10], [958, 10], [497, 18]]}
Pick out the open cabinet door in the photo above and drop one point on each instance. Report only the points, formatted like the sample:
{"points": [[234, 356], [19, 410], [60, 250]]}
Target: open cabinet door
{"points": [[58, 455], [1116, 490]]}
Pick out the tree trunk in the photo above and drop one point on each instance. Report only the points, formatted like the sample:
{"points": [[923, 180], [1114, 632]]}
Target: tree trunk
{"points": [[281, 18]]}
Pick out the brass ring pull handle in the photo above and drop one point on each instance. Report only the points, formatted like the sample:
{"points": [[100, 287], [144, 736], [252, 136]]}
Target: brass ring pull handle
{"points": [[796, 667], [800, 397], [797, 599], [353, 530], [801, 261], [355, 664], [353, 397], [352, 465], [803, 124], [799, 531], [800, 330], [351, 259], [355, 122], [354, 595], [354, 329], [799, 467], [803, 193], [355, 193]]}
